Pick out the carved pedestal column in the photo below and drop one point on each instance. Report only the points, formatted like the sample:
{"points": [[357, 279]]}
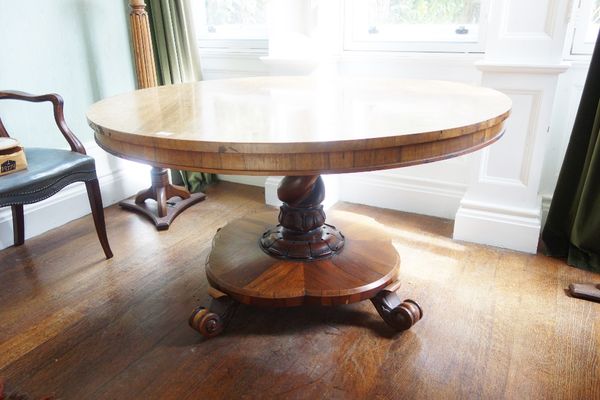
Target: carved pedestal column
{"points": [[302, 233]]}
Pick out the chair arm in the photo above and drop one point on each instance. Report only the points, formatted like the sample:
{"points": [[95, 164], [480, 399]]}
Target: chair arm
{"points": [[59, 117]]}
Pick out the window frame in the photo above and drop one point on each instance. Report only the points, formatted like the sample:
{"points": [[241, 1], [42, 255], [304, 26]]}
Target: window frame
{"points": [[352, 43], [579, 47]]}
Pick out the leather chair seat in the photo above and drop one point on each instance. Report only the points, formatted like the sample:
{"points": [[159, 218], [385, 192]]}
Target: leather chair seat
{"points": [[48, 171]]}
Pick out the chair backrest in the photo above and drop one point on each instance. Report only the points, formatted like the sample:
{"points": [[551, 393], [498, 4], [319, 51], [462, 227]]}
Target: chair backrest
{"points": [[3, 132], [57, 103]]}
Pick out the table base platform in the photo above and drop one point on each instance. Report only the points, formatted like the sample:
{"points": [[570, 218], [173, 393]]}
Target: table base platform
{"points": [[240, 271], [174, 207], [168, 200]]}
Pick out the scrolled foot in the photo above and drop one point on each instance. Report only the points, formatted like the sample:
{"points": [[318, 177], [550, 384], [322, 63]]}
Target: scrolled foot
{"points": [[212, 320], [398, 315]]}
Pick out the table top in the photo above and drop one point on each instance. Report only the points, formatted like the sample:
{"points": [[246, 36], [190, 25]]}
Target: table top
{"points": [[299, 125]]}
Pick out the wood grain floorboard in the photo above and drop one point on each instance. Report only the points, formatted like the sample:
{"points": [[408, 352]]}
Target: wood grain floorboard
{"points": [[497, 324]]}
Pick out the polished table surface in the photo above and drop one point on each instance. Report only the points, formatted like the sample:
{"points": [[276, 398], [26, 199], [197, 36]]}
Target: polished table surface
{"points": [[300, 127]]}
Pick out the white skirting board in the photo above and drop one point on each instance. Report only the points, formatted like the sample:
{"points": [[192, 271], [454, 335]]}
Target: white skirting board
{"points": [[244, 179], [403, 193], [510, 228], [118, 179]]}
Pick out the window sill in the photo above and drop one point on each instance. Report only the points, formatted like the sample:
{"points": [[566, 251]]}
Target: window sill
{"points": [[493, 66], [411, 57], [233, 52]]}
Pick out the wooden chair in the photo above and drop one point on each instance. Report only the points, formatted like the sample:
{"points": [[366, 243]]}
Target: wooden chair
{"points": [[50, 170]]}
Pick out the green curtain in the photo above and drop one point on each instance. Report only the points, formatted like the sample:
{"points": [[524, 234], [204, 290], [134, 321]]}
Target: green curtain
{"points": [[572, 229], [177, 61]]}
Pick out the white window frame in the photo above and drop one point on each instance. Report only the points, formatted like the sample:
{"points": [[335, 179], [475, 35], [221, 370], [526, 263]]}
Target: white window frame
{"points": [[237, 39], [353, 10], [579, 45]]}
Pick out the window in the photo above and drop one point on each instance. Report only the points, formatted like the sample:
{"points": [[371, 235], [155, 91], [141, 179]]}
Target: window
{"points": [[587, 22], [415, 25], [231, 23]]}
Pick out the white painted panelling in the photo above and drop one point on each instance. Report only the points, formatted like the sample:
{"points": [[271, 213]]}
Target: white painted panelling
{"points": [[531, 19], [245, 179], [271, 185], [531, 31], [438, 198], [502, 205], [517, 140]]}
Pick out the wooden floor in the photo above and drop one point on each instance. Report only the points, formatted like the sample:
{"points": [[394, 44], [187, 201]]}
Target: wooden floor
{"points": [[497, 324]]}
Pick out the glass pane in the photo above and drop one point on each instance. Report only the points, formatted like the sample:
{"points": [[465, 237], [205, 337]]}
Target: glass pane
{"points": [[457, 12], [422, 20], [235, 12], [231, 20], [594, 23]]}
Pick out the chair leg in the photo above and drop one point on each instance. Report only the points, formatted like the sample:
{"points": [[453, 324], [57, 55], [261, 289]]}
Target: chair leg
{"points": [[18, 224], [95, 197]]}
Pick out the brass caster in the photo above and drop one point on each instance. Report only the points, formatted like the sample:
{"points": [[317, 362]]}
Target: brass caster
{"points": [[212, 320], [207, 323]]}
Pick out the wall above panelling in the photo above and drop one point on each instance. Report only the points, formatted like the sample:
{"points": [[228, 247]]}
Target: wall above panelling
{"points": [[79, 49]]}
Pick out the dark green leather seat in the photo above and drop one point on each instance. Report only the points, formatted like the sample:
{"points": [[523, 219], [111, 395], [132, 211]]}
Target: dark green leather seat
{"points": [[50, 170]]}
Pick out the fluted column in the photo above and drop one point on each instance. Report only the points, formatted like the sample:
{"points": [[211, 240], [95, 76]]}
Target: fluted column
{"points": [[142, 44]]}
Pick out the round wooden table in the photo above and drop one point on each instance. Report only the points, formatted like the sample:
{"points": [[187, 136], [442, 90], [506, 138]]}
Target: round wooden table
{"points": [[300, 127]]}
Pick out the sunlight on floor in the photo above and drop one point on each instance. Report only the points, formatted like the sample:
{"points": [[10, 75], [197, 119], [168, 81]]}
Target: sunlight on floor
{"points": [[426, 240]]}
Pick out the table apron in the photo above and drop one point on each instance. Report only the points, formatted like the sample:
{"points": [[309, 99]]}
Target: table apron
{"points": [[295, 164]]}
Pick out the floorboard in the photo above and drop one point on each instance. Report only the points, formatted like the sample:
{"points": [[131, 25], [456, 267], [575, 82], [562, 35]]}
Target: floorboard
{"points": [[497, 324]]}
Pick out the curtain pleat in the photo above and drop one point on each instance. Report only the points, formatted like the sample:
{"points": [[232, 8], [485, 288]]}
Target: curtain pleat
{"points": [[572, 229]]}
